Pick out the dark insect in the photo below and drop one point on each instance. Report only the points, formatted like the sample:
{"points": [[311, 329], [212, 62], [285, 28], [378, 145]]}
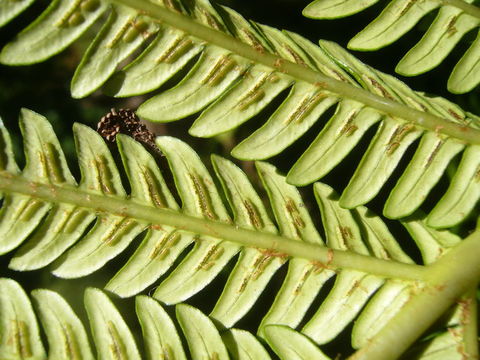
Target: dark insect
{"points": [[125, 121]]}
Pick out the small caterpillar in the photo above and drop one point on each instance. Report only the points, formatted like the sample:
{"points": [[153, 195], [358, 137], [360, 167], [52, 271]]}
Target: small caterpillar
{"points": [[125, 121]]}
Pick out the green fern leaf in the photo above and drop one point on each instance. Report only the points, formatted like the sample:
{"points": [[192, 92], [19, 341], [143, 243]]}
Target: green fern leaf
{"points": [[461, 193], [330, 9], [297, 346], [118, 39], [454, 20], [237, 68], [66, 335], [59, 25], [369, 267], [203, 338], [112, 337], [111, 334], [159, 329], [9, 10], [20, 337], [242, 345], [160, 336]]}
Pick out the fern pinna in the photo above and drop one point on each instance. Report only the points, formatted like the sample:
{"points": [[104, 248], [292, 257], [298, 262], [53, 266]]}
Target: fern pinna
{"points": [[454, 20], [45, 218], [67, 338], [238, 67]]}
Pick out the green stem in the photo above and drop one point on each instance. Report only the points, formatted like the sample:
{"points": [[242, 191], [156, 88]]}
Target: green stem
{"points": [[466, 7], [277, 244], [454, 274], [226, 41]]}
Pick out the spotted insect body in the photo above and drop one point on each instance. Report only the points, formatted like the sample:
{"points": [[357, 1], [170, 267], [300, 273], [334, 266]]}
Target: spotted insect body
{"points": [[125, 121]]}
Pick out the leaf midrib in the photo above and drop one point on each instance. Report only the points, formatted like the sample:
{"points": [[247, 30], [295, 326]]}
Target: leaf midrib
{"points": [[428, 121], [320, 255]]}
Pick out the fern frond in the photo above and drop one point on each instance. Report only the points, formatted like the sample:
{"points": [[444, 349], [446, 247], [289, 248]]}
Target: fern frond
{"points": [[367, 263], [455, 18], [67, 338], [238, 67]]}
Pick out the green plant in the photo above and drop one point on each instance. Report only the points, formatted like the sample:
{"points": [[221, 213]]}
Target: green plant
{"points": [[230, 81], [453, 21]]}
